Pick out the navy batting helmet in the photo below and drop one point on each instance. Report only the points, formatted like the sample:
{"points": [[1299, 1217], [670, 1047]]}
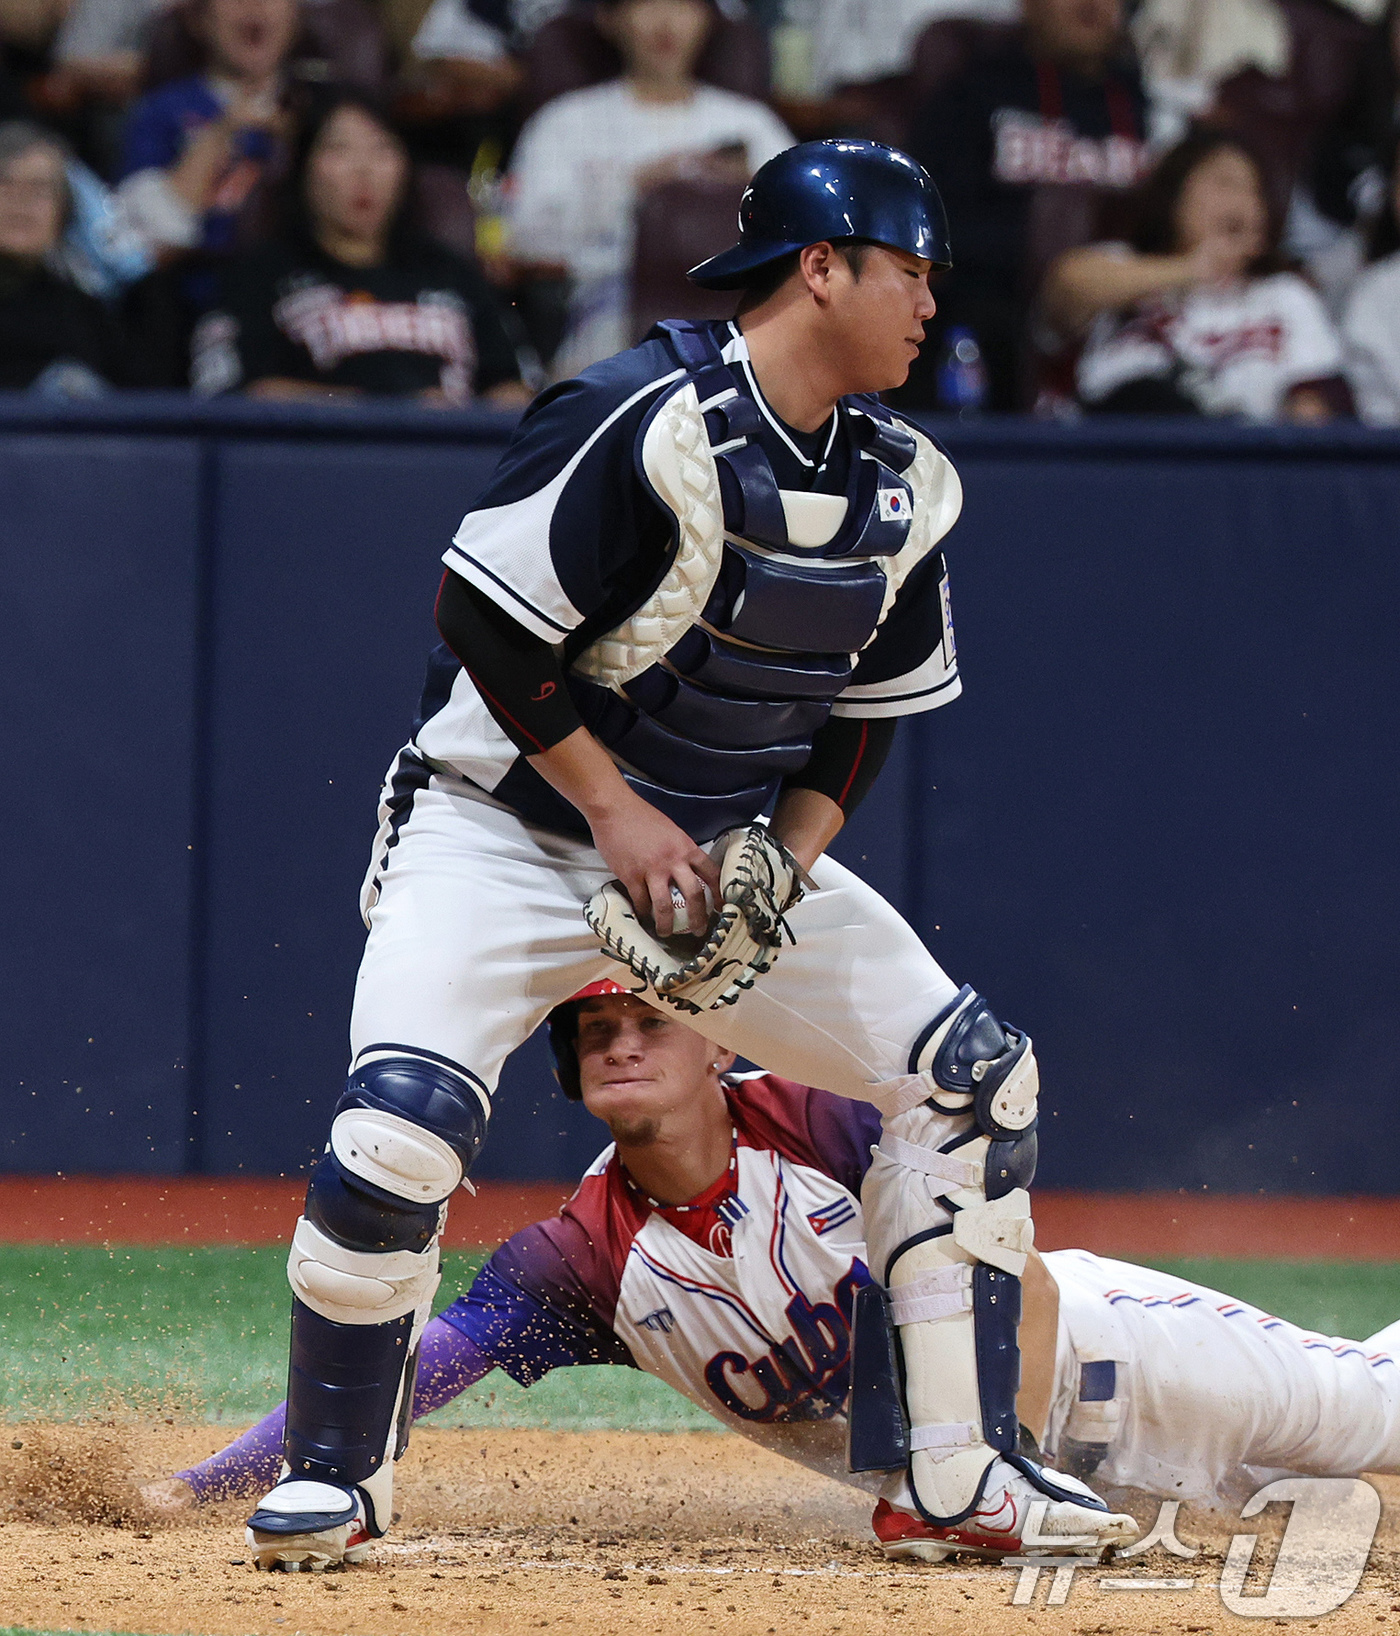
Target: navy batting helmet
{"points": [[836, 189]]}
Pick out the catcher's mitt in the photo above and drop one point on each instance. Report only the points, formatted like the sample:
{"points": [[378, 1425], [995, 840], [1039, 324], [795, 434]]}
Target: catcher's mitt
{"points": [[759, 881]]}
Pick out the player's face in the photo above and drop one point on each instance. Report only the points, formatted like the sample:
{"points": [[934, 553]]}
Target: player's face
{"points": [[355, 176], [877, 316], [636, 1065]]}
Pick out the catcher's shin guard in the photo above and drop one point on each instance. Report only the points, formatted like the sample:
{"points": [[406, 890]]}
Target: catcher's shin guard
{"points": [[363, 1270], [948, 1227]]}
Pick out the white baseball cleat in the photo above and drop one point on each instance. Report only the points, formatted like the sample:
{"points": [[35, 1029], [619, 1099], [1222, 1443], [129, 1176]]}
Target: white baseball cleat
{"points": [[1013, 1516], [307, 1527]]}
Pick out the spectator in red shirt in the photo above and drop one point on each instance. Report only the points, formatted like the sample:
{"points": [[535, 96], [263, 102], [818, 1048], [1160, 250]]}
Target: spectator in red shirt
{"points": [[1061, 104]]}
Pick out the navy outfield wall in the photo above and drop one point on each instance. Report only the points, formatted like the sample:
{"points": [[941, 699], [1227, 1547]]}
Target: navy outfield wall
{"points": [[1159, 829]]}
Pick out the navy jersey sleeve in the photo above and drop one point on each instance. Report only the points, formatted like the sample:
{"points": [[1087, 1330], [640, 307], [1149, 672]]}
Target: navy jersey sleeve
{"points": [[912, 665], [566, 534], [529, 1310]]}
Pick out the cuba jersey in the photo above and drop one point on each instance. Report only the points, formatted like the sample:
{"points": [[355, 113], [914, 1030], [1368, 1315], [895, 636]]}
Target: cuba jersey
{"points": [[741, 1301]]}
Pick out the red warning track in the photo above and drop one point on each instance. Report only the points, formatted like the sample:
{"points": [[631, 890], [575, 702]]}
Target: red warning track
{"points": [[224, 1209], [258, 1210]]}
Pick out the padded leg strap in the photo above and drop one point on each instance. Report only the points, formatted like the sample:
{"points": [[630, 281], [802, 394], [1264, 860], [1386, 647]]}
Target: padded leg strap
{"points": [[364, 1267], [952, 1259], [961, 1414]]}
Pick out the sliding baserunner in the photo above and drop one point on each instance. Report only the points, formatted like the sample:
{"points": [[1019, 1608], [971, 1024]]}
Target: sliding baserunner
{"points": [[719, 1245]]}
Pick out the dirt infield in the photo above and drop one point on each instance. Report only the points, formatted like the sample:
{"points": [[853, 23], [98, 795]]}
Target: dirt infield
{"points": [[507, 1532], [261, 1210]]}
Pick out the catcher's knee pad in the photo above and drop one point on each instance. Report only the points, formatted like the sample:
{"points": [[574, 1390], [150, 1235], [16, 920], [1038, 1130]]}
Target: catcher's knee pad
{"points": [[364, 1265], [359, 1287], [409, 1125], [360, 1216], [971, 1061]]}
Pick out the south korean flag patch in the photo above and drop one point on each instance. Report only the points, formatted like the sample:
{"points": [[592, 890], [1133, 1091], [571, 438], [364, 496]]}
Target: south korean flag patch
{"points": [[895, 505]]}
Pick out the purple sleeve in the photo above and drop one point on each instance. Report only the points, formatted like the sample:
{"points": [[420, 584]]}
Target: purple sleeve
{"points": [[843, 1132], [247, 1466], [449, 1361], [529, 1310]]}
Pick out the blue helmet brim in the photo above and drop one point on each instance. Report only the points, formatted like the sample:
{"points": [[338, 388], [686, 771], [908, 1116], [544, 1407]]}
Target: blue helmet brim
{"points": [[732, 269]]}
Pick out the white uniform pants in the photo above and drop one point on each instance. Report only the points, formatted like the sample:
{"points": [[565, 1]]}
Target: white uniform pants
{"points": [[1215, 1397], [477, 932]]}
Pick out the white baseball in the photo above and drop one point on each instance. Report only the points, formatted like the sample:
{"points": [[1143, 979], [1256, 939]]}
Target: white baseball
{"points": [[680, 921]]}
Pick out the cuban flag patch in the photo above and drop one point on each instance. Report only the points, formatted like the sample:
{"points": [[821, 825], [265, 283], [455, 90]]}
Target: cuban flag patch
{"points": [[895, 505], [826, 1218]]}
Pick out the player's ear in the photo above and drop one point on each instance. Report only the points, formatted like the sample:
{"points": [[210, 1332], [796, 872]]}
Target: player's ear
{"points": [[722, 1061], [815, 264]]}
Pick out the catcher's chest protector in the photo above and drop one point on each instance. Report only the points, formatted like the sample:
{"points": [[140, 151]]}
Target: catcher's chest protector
{"points": [[713, 688]]}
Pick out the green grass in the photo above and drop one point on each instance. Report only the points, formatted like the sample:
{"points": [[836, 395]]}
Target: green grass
{"points": [[24, 1630], [201, 1334], [1351, 1298]]}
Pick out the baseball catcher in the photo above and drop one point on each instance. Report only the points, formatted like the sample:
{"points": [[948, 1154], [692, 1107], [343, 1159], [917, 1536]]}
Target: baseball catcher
{"points": [[703, 584]]}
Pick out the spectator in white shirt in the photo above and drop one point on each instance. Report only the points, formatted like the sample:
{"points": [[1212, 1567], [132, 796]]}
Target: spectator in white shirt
{"points": [[1371, 322], [99, 49], [582, 158], [856, 41], [1198, 314]]}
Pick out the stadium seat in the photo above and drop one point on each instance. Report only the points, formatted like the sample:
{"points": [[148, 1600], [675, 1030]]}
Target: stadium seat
{"points": [[570, 52], [341, 41], [680, 223], [1282, 117], [946, 47], [442, 207]]}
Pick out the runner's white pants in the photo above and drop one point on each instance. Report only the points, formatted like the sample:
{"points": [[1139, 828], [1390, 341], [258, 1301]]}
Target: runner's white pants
{"points": [[476, 932], [1214, 1397]]}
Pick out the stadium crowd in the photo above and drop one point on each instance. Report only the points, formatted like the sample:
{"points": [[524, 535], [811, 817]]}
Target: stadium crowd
{"points": [[1156, 207]]}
